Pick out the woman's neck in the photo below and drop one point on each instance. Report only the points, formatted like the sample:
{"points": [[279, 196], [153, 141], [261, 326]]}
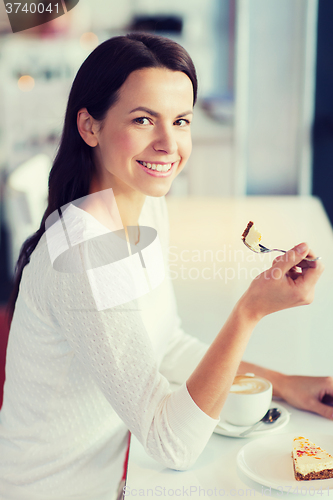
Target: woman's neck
{"points": [[130, 208], [123, 208]]}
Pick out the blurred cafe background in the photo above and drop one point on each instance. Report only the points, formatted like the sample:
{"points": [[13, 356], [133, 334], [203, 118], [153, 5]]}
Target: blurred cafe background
{"points": [[263, 124]]}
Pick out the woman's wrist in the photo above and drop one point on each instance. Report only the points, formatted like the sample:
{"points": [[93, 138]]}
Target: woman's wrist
{"points": [[247, 310], [278, 380]]}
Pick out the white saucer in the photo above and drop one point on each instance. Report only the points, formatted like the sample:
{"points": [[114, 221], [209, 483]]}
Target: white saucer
{"points": [[226, 429], [268, 462]]}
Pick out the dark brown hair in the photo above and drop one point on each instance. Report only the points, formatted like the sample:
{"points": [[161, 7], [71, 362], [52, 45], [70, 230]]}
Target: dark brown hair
{"points": [[96, 87]]}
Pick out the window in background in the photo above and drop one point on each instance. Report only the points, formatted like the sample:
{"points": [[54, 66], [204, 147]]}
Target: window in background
{"points": [[275, 65], [323, 120]]}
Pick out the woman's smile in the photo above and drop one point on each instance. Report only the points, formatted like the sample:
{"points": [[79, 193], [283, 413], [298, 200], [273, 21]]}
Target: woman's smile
{"points": [[158, 169]]}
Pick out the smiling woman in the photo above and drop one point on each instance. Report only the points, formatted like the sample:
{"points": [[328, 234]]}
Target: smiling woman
{"points": [[139, 150], [95, 337]]}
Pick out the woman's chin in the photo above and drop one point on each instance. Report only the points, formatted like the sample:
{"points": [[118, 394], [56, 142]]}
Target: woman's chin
{"points": [[157, 190]]}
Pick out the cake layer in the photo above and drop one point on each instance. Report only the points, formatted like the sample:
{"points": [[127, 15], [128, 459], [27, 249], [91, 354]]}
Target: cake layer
{"points": [[324, 474], [310, 461], [251, 235]]}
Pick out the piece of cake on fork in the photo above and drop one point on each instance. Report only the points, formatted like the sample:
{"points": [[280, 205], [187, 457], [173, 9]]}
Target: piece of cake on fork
{"points": [[251, 236]]}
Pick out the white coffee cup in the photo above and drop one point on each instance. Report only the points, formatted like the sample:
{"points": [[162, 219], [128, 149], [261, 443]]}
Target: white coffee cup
{"points": [[248, 400]]}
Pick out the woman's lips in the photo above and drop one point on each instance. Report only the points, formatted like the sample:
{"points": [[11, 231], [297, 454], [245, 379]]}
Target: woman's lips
{"points": [[157, 169]]}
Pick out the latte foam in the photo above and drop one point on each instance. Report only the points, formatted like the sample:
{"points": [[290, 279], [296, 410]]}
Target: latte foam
{"points": [[248, 385]]}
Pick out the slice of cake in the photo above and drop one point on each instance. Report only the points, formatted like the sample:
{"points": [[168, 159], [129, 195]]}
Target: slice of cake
{"points": [[251, 235], [310, 461]]}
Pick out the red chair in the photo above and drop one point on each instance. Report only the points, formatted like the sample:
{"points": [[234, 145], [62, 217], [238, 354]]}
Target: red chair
{"points": [[4, 331]]}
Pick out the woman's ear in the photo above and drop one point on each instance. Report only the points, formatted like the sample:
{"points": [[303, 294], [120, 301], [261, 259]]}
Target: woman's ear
{"points": [[87, 127]]}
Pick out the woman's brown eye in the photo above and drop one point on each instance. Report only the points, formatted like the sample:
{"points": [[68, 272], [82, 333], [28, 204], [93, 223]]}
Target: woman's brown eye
{"points": [[141, 120], [182, 122]]}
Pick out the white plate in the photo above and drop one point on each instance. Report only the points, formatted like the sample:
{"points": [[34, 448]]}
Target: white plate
{"points": [[268, 462], [226, 429]]}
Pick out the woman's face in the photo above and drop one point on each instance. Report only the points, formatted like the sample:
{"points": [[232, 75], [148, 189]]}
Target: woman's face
{"points": [[145, 139]]}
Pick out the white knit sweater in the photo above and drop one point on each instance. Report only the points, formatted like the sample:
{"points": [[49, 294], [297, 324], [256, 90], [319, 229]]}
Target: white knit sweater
{"points": [[77, 379]]}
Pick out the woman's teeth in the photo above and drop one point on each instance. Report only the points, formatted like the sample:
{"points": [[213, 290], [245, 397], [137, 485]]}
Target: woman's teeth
{"points": [[157, 166]]}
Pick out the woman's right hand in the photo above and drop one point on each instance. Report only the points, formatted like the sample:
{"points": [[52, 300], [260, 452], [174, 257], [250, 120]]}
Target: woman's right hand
{"points": [[283, 286], [280, 287]]}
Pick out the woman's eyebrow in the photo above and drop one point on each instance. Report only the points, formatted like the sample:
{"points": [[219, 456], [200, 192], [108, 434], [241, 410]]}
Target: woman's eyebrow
{"points": [[155, 114], [189, 112]]}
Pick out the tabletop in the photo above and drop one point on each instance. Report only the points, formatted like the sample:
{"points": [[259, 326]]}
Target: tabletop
{"points": [[210, 270]]}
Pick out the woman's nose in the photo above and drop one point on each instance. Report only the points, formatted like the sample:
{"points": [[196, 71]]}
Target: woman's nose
{"points": [[165, 141]]}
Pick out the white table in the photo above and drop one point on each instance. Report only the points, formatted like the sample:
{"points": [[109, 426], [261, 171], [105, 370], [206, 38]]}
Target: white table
{"points": [[294, 341]]}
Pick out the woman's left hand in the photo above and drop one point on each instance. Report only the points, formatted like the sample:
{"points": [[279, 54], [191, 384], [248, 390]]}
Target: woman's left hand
{"points": [[313, 394], [306, 393]]}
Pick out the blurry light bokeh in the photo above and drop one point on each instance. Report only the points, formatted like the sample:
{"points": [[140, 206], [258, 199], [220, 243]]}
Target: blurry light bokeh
{"points": [[89, 40], [26, 83]]}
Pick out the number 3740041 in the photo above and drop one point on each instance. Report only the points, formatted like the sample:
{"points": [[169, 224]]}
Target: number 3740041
{"points": [[304, 490], [31, 8]]}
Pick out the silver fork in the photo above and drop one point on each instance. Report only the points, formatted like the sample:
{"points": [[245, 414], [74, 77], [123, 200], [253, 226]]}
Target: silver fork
{"points": [[263, 249]]}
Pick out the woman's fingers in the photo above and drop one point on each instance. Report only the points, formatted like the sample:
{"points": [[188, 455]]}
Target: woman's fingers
{"points": [[303, 273], [294, 272], [291, 258], [305, 264], [292, 263], [310, 393]]}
